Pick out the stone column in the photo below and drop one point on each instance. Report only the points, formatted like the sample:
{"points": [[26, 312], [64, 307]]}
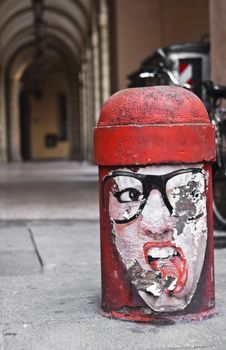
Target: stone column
{"points": [[13, 124], [96, 68], [104, 51], [74, 127], [3, 130], [83, 106]]}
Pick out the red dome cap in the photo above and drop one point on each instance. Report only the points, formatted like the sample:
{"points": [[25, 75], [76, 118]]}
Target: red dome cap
{"points": [[151, 105], [153, 125]]}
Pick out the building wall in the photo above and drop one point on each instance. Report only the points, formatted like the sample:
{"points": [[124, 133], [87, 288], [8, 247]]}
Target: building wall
{"points": [[137, 28], [217, 37], [142, 26]]}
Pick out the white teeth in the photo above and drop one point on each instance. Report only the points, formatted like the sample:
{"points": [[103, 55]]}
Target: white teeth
{"points": [[162, 253]]}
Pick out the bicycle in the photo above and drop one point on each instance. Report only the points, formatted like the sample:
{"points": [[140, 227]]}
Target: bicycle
{"points": [[160, 73]]}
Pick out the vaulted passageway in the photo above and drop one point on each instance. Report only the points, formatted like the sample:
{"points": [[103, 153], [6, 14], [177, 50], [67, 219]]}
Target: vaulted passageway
{"points": [[46, 111], [54, 76]]}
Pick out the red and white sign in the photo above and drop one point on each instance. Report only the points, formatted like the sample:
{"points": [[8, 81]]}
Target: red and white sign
{"points": [[185, 73]]}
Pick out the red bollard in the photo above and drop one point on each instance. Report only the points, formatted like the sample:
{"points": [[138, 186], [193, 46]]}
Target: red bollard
{"points": [[154, 147]]}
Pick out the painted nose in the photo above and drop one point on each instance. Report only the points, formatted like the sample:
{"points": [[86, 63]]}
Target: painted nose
{"points": [[156, 218]]}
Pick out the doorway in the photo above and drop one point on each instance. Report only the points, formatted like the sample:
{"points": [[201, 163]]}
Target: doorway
{"points": [[43, 104]]}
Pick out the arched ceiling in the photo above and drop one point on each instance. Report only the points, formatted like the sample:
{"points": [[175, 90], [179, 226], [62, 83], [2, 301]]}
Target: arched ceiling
{"points": [[42, 26]]}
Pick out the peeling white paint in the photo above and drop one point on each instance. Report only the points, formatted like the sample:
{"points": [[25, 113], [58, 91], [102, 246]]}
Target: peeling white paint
{"points": [[173, 284], [176, 243], [154, 289]]}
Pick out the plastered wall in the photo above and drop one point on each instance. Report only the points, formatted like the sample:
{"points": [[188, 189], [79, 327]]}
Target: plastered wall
{"points": [[142, 26]]}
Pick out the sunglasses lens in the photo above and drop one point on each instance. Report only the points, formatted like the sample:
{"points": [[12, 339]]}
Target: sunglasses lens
{"points": [[125, 197], [185, 193]]}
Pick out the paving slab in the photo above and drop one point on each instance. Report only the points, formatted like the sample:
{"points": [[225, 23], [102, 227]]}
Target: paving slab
{"points": [[17, 252], [18, 263], [44, 200], [104, 334], [67, 247], [15, 238], [54, 190], [58, 308]]}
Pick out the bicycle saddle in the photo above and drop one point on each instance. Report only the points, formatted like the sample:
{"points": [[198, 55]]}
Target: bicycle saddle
{"points": [[214, 90]]}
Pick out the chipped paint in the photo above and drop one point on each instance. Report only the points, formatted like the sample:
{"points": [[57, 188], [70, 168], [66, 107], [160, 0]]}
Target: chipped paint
{"points": [[163, 247]]}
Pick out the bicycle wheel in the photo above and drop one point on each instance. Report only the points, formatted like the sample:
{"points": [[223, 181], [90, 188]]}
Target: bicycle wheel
{"points": [[219, 202]]}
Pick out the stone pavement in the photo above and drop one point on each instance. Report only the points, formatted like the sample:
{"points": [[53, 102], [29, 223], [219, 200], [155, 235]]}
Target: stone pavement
{"points": [[50, 271], [50, 295], [55, 190]]}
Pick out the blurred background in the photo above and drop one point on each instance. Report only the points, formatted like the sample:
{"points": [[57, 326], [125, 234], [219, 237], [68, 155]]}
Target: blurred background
{"points": [[60, 60]]}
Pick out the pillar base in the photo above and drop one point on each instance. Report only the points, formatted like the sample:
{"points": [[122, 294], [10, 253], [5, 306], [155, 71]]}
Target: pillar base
{"points": [[140, 315]]}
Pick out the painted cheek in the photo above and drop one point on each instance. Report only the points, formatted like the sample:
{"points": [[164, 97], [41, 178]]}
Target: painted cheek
{"points": [[114, 208], [129, 240]]}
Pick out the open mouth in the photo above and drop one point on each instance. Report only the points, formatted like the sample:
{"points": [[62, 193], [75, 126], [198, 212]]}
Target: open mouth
{"points": [[170, 267]]}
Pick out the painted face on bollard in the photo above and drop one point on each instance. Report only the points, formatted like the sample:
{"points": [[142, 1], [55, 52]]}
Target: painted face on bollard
{"points": [[159, 228]]}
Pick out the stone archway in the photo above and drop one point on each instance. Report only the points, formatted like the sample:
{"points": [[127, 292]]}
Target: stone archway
{"points": [[41, 109], [74, 34]]}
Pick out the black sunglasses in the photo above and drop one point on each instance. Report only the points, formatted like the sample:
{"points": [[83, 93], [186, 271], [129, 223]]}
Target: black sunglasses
{"points": [[149, 182]]}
